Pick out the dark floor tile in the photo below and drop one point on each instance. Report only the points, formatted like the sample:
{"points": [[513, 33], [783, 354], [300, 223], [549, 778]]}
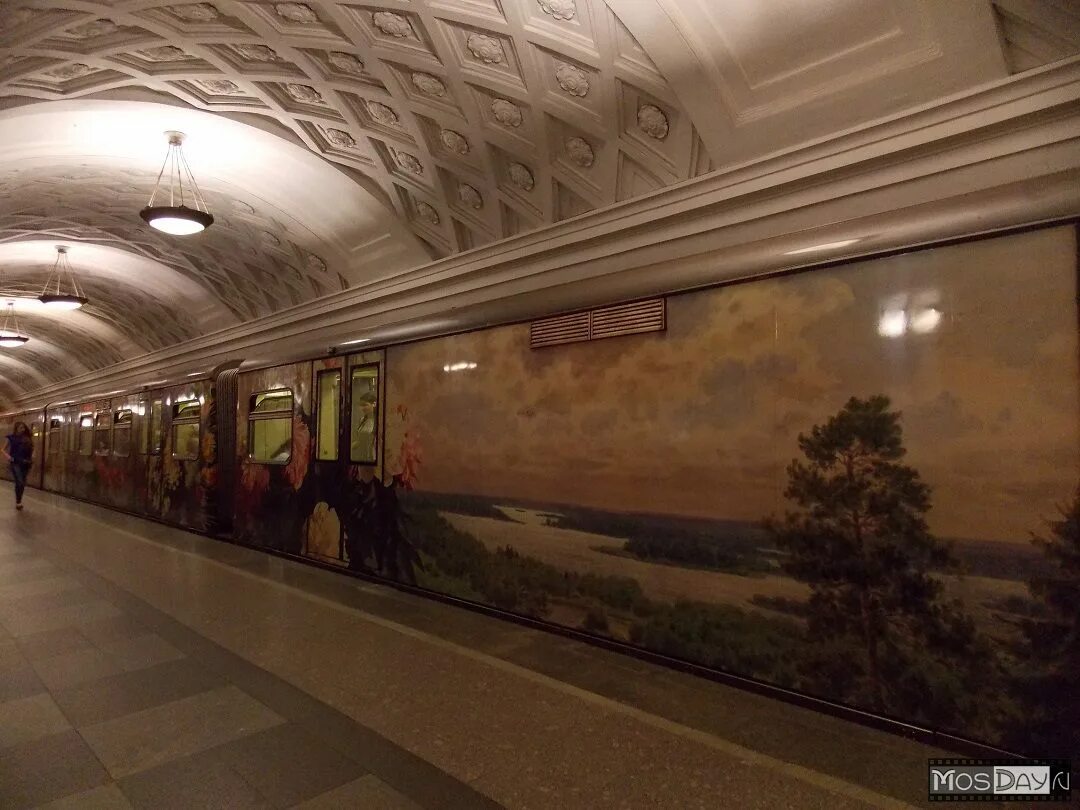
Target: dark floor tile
{"points": [[19, 682], [201, 781], [130, 692], [287, 765], [140, 652], [53, 642], [46, 769], [112, 629]]}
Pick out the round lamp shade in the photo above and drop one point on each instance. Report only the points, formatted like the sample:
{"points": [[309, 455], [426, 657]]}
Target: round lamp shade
{"points": [[60, 301], [12, 341], [176, 220]]}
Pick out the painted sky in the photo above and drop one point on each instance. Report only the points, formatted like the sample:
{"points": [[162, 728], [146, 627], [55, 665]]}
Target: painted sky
{"points": [[703, 419]]}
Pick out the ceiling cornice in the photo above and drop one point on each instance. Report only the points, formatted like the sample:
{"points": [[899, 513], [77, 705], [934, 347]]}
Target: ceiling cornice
{"points": [[1000, 156]]}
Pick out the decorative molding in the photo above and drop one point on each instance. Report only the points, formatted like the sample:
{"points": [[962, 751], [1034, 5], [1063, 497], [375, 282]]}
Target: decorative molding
{"points": [[937, 173]]}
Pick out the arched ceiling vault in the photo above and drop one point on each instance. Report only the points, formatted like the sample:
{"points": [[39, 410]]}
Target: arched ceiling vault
{"points": [[344, 141]]}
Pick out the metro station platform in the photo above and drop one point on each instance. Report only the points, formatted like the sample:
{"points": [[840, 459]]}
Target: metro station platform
{"points": [[143, 666]]}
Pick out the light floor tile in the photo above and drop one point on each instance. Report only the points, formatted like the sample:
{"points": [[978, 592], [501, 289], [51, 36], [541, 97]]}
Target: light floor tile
{"points": [[106, 797], [29, 718], [71, 669], [151, 737]]}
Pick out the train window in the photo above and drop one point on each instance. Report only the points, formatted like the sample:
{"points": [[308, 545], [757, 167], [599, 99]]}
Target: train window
{"points": [[102, 433], [185, 429], [155, 428], [270, 415], [56, 427], [122, 433], [329, 415], [364, 420]]}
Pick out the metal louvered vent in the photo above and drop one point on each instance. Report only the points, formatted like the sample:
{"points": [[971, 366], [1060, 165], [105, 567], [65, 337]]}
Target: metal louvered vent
{"points": [[620, 319]]}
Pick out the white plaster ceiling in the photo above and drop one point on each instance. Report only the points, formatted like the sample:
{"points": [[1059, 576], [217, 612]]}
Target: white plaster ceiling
{"points": [[343, 142]]}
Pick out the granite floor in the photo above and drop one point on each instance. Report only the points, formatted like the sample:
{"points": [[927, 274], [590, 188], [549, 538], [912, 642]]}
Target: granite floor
{"points": [[142, 666]]}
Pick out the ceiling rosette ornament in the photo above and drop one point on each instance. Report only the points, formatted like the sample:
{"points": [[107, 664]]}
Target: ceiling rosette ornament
{"points": [[164, 53], [304, 93], [391, 24], [296, 13], [254, 52], [428, 213], [580, 152], [429, 85], [521, 176], [559, 9], [96, 28], [487, 49], [652, 121], [410, 163], [345, 62], [196, 12], [470, 196], [73, 71], [221, 87], [572, 80], [454, 142], [506, 112], [383, 114], [341, 138]]}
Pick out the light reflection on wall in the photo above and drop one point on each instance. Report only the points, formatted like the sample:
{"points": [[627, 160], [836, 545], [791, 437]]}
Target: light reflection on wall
{"points": [[458, 367], [920, 315]]}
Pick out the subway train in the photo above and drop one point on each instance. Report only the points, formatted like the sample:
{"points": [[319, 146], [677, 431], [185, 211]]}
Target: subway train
{"points": [[823, 483]]}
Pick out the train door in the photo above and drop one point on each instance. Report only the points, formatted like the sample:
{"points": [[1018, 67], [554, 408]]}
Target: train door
{"points": [[324, 538], [348, 458], [154, 468]]}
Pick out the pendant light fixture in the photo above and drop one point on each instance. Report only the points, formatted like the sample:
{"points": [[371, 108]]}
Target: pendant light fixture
{"points": [[11, 337], [177, 218], [53, 295]]}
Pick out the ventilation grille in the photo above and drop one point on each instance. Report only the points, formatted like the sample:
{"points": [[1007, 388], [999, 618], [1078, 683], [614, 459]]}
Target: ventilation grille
{"points": [[621, 319]]}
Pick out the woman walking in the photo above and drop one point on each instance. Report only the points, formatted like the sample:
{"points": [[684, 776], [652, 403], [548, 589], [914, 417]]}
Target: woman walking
{"points": [[19, 451]]}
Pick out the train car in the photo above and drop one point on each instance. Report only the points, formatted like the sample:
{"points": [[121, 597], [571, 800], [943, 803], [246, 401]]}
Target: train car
{"points": [[672, 475]]}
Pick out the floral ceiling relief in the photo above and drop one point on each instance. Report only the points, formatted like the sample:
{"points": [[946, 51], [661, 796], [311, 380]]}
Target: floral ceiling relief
{"points": [[440, 80]]}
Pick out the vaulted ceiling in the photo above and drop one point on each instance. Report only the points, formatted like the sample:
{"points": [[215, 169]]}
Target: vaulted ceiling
{"points": [[342, 142]]}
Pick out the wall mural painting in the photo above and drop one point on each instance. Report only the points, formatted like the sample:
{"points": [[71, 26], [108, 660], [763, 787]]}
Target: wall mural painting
{"points": [[828, 481]]}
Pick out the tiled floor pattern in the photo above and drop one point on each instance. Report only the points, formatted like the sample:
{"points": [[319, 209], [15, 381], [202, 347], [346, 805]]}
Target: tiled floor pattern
{"points": [[147, 666], [99, 710]]}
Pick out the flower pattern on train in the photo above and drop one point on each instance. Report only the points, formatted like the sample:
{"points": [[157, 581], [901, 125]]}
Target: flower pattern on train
{"points": [[410, 455], [297, 468], [323, 531]]}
